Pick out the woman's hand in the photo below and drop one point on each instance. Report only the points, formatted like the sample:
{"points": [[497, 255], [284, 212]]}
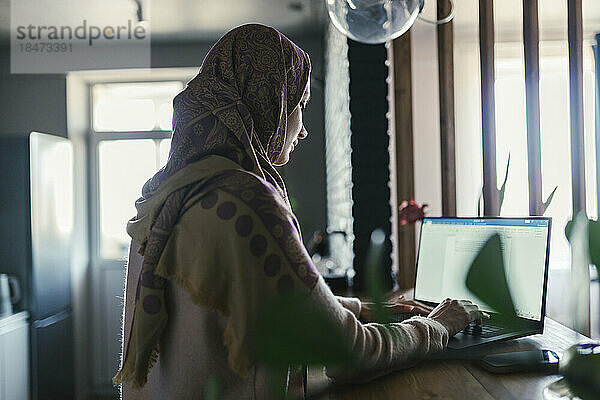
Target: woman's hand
{"points": [[455, 315], [395, 306]]}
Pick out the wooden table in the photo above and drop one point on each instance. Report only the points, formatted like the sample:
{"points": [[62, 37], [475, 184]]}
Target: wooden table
{"points": [[457, 376]]}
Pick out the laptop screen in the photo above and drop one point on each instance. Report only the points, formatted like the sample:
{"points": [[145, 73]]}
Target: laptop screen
{"points": [[448, 246]]}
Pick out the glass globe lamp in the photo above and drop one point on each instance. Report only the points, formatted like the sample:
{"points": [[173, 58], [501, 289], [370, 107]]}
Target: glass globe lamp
{"points": [[373, 21]]}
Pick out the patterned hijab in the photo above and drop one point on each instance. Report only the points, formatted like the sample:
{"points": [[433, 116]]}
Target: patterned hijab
{"points": [[231, 116], [250, 81]]}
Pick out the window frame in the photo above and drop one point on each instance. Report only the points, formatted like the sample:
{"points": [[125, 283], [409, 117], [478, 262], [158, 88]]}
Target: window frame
{"points": [[94, 138]]}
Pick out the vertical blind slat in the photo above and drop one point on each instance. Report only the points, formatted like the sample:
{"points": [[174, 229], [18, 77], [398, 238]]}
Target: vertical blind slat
{"points": [[597, 117], [404, 184], [532, 101], [488, 108], [445, 34], [575, 35]]}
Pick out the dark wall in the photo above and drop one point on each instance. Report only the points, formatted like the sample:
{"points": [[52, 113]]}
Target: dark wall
{"points": [[304, 174], [31, 101], [186, 54], [15, 243], [370, 154]]}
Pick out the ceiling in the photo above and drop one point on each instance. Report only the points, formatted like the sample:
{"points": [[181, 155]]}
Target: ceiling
{"points": [[508, 18], [208, 19], [178, 20], [211, 18]]}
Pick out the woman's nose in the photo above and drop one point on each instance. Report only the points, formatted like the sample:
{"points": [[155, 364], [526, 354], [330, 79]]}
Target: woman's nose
{"points": [[303, 133]]}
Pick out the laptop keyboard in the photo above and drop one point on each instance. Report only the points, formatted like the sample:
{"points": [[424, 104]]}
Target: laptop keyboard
{"points": [[485, 330]]}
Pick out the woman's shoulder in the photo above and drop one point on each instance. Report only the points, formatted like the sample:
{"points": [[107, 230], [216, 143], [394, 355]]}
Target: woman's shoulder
{"points": [[236, 196], [252, 191], [242, 181], [244, 214]]}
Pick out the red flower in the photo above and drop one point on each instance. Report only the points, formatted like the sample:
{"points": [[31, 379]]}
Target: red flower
{"points": [[410, 212]]}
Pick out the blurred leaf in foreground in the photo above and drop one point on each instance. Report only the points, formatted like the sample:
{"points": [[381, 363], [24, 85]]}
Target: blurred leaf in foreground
{"points": [[579, 285], [211, 389], [486, 279], [594, 242], [375, 280], [593, 239], [291, 330], [580, 365]]}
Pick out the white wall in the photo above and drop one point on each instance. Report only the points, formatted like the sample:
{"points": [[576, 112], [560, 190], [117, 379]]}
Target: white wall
{"points": [[426, 122], [426, 118]]}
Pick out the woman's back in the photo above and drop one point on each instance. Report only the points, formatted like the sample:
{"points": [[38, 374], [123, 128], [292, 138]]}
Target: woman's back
{"points": [[193, 358]]}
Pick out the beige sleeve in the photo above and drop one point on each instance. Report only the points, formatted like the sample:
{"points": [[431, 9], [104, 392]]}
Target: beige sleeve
{"points": [[379, 348], [351, 303]]}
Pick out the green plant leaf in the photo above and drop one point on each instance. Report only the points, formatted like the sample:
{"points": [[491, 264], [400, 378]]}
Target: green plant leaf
{"points": [[569, 229], [292, 330], [580, 365], [486, 279], [375, 281], [593, 239], [212, 388], [546, 204], [479, 202], [579, 282], [594, 242], [503, 187]]}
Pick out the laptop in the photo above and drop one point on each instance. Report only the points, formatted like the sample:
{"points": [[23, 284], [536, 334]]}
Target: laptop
{"points": [[447, 246]]}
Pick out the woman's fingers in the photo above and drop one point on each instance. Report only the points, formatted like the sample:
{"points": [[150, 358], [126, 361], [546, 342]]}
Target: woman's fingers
{"points": [[483, 314], [422, 310], [421, 306], [402, 305], [409, 308], [476, 314], [403, 308], [414, 303], [402, 300]]}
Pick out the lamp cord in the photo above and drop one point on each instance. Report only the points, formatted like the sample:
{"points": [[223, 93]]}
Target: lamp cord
{"points": [[444, 20]]}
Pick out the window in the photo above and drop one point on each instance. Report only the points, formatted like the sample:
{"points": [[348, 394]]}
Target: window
{"points": [[123, 107], [555, 141], [511, 137], [130, 141], [123, 167], [511, 134]]}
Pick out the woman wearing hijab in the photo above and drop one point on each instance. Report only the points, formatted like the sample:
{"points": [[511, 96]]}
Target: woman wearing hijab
{"points": [[215, 239]]}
